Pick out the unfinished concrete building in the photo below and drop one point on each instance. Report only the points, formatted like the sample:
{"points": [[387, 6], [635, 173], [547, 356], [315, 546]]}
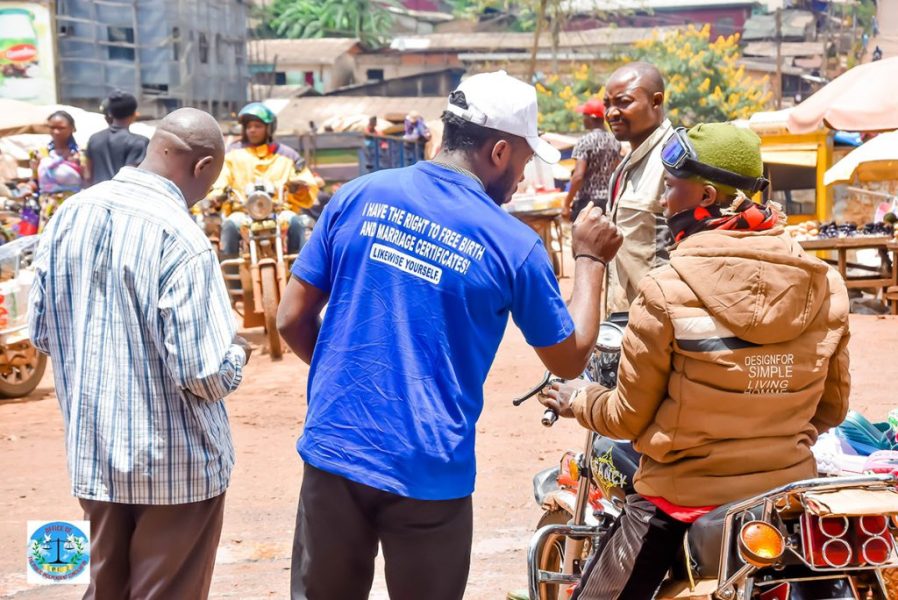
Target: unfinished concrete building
{"points": [[168, 53]]}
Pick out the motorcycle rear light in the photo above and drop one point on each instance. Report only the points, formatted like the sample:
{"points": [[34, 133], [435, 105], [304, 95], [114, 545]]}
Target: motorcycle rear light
{"points": [[833, 527], [838, 542], [824, 541], [876, 551], [875, 525], [837, 553], [875, 540], [780, 592]]}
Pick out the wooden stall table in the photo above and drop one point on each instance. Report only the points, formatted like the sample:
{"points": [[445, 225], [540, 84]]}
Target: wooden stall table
{"points": [[891, 292], [542, 212], [883, 276]]}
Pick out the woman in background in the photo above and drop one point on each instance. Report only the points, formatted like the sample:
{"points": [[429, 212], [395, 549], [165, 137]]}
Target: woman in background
{"points": [[58, 169]]}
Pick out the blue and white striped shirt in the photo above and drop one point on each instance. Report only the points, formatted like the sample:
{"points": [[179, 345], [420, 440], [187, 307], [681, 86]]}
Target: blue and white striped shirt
{"points": [[130, 304]]}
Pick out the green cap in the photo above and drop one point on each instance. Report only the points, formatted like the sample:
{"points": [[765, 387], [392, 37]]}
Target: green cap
{"points": [[725, 146]]}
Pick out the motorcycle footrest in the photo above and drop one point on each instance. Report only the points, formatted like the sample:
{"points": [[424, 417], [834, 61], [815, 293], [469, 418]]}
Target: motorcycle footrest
{"points": [[558, 578]]}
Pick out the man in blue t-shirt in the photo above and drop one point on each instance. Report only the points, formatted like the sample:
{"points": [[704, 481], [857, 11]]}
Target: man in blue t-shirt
{"points": [[420, 268]]}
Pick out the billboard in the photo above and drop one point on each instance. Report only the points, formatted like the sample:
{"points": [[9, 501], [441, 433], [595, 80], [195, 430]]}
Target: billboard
{"points": [[27, 61]]}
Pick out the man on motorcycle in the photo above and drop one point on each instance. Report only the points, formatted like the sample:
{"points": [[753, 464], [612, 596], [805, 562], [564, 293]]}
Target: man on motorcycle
{"points": [[257, 157], [735, 359]]}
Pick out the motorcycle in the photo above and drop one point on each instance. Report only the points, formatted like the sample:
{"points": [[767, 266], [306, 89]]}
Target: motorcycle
{"points": [[19, 216], [21, 365], [827, 538], [261, 268], [209, 220]]}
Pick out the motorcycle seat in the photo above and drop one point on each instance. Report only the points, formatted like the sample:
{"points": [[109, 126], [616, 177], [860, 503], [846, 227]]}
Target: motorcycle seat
{"points": [[704, 540]]}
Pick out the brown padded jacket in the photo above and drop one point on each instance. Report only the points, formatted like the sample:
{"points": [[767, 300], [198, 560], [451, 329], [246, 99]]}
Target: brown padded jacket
{"points": [[734, 360]]}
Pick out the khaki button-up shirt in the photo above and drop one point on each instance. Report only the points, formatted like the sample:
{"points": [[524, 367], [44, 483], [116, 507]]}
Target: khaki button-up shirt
{"points": [[636, 210]]}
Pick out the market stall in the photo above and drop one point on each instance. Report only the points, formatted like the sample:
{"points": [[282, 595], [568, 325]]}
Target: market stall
{"points": [[542, 212], [861, 99], [873, 162], [881, 276], [795, 165], [538, 203]]}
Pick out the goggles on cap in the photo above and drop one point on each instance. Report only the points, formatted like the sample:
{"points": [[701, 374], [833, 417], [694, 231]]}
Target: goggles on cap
{"points": [[680, 158]]}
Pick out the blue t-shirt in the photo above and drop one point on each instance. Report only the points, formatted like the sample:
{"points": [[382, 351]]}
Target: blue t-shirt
{"points": [[422, 268]]}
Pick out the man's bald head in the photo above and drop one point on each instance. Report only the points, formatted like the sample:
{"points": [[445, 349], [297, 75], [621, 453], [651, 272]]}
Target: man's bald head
{"points": [[187, 149], [642, 74], [634, 102], [188, 132]]}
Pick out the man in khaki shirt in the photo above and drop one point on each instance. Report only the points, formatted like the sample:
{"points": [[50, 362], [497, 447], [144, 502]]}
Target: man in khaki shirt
{"points": [[634, 109]]}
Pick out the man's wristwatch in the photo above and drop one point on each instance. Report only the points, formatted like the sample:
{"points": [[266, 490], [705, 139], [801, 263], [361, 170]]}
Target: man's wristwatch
{"points": [[576, 395]]}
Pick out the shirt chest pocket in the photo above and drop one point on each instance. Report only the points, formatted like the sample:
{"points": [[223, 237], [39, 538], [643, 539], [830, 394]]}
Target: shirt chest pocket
{"points": [[641, 197]]}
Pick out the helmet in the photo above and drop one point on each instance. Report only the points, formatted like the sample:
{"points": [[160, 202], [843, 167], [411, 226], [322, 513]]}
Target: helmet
{"points": [[257, 110]]}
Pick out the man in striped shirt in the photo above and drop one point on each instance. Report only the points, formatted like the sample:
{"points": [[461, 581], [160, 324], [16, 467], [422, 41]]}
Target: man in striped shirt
{"points": [[130, 304]]}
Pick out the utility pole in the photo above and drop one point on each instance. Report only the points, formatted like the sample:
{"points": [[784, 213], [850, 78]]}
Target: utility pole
{"points": [[556, 32], [540, 17], [779, 58]]}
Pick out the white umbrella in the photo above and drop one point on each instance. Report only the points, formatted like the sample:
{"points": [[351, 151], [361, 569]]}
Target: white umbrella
{"points": [[21, 117], [876, 160]]}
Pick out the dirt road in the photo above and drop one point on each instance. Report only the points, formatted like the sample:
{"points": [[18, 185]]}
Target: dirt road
{"points": [[266, 415]]}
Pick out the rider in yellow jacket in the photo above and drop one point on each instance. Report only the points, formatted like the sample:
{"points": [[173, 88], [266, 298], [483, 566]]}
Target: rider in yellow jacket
{"points": [[257, 157]]}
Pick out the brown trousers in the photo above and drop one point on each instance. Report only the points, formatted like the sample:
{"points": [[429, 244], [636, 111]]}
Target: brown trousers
{"points": [[152, 552]]}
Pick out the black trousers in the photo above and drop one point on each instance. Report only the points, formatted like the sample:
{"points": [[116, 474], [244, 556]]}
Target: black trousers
{"points": [[632, 560], [580, 203], [426, 543]]}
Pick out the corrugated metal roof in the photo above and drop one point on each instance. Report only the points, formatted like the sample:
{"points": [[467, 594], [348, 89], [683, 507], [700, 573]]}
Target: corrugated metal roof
{"points": [[513, 41], [296, 115], [316, 51], [649, 5], [796, 24], [262, 90], [768, 49], [764, 66]]}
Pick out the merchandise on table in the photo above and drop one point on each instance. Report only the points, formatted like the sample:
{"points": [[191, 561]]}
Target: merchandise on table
{"points": [[16, 279], [858, 446], [811, 230]]}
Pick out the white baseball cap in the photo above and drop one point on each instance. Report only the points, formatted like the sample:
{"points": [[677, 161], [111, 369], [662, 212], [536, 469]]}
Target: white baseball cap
{"points": [[499, 101]]}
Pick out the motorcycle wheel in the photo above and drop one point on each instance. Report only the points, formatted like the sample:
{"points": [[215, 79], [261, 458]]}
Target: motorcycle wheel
{"points": [[270, 308], [552, 555], [19, 381]]}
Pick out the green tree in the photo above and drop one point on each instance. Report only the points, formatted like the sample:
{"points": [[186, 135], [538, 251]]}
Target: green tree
{"points": [[368, 20], [560, 95], [704, 81], [520, 15]]}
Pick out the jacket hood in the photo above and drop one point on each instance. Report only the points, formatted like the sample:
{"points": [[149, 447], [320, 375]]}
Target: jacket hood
{"points": [[760, 285]]}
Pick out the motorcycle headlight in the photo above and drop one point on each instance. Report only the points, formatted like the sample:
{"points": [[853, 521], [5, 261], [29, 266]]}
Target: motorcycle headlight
{"points": [[259, 206], [610, 337]]}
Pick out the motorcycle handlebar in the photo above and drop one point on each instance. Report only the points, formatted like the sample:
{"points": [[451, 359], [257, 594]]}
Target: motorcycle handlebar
{"points": [[549, 416], [533, 392]]}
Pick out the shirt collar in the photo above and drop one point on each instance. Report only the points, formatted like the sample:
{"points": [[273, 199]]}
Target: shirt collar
{"points": [[439, 169], [459, 170], [157, 183], [661, 133]]}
